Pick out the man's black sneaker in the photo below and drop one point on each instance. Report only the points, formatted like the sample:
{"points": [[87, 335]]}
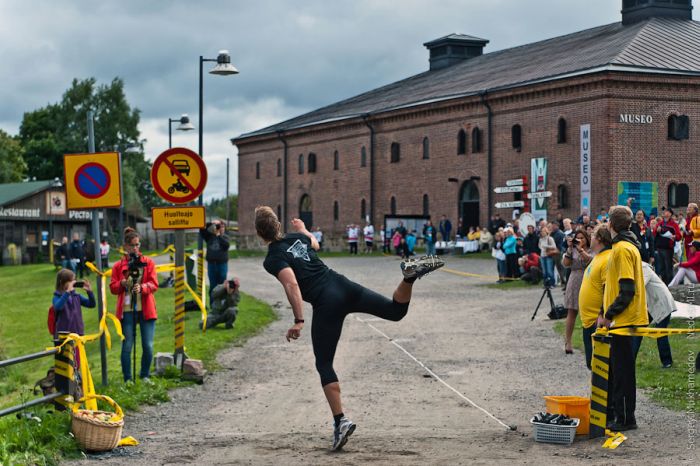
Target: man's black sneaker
{"points": [[619, 427], [416, 268]]}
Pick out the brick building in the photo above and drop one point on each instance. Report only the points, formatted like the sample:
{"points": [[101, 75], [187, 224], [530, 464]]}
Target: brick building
{"points": [[592, 117]]}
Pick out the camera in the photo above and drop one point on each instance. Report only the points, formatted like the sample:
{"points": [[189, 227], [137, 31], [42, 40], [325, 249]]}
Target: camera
{"points": [[233, 284], [574, 242], [134, 265], [79, 284]]}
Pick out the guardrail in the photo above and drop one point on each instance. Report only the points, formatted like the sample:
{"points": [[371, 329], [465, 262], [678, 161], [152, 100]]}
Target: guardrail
{"points": [[64, 371]]}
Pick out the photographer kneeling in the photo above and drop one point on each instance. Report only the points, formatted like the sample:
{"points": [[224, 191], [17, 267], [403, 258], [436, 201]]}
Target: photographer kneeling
{"points": [[134, 280], [224, 304]]}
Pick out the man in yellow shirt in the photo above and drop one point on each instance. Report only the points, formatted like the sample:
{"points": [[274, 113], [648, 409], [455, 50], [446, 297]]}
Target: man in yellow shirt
{"points": [[590, 296], [624, 303]]}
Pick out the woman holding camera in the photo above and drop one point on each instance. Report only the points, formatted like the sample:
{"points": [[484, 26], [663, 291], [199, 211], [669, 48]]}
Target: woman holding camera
{"points": [[577, 257], [135, 281]]}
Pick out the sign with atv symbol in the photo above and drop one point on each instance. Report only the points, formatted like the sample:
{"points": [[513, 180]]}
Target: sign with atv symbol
{"points": [[179, 175]]}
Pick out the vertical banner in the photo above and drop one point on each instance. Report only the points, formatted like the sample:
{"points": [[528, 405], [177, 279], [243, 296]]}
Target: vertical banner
{"points": [[538, 177], [586, 169]]}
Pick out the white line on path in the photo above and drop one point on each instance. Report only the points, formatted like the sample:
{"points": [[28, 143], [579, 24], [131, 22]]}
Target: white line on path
{"points": [[433, 373]]}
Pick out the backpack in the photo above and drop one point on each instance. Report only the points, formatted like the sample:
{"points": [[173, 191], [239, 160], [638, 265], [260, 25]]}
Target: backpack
{"points": [[51, 321]]}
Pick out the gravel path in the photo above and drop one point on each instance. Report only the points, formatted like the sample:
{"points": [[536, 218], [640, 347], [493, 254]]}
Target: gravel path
{"points": [[266, 406]]}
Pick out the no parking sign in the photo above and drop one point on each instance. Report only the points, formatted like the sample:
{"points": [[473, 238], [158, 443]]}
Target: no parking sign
{"points": [[92, 180]]}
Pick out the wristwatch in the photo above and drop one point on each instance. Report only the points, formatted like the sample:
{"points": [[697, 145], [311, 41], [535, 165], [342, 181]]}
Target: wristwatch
{"points": [[298, 321]]}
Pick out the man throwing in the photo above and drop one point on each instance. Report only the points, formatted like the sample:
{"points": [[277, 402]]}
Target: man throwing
{"points": [[292, 259]]}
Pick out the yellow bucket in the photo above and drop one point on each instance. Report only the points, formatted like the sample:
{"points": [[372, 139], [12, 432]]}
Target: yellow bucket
{"points": [[572, 406]]}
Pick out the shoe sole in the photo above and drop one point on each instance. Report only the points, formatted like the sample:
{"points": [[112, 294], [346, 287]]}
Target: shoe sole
{"points": [[342, 443]]}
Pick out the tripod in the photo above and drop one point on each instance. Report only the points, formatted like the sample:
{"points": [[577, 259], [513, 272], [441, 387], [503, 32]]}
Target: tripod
{"points": [[547, 292]]}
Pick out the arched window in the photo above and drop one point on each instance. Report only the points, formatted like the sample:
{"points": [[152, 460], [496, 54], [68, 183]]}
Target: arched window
{"points": [[301, 164], [312, 162], [426, 205], [363, 209], [279, 167], [336, 160], [682, 195], [678, 127], [476, 140], [516, 137], [392, 207], [363, 157], [461, 142], [563, 196], [395, 152], [426, 148], [257, 170], [336, 210], [561, 131], [678, 195]]}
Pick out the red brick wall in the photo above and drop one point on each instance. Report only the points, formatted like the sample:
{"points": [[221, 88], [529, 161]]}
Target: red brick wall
{"points": [[619, 152]]}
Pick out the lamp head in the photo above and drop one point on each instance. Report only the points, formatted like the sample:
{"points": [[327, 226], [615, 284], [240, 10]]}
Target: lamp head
{"points": [[223, 64], [185, 124]]}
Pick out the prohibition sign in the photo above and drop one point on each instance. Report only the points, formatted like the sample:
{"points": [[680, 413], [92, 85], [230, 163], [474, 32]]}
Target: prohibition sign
{"points": [[92, 180], [179, 175]]}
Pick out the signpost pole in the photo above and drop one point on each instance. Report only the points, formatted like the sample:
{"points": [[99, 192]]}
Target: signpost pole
{"points": [[98, 257]]}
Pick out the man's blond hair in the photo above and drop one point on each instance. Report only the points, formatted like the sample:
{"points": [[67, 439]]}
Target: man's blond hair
{"points": [[267, 225], [602, 233], [620, 218]]}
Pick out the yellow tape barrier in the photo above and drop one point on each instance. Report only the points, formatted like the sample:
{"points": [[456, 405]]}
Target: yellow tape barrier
{"points": [[615, 440], [169, 248], [645, 331], [160, 268]]}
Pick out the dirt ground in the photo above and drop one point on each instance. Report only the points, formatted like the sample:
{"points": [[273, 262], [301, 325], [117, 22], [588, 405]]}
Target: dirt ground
{"points": [[266, 405]]}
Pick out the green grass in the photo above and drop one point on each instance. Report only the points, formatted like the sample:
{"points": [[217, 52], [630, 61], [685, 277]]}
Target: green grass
{"points": [[509, 285], [27, 295], [668, 387]]}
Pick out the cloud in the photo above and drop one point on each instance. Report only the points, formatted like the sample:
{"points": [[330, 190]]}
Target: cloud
{"points": [[293, 56]]}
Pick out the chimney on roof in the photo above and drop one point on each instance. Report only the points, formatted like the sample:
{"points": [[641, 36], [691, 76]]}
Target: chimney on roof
{"points": [[448, 50], [638, 10]]}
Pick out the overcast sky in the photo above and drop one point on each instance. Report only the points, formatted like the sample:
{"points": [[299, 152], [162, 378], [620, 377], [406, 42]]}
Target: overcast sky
{"points": [[293, 56]]}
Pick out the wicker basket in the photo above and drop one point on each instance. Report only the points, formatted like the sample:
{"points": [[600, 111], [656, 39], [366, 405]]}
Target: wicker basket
{"points": [[96, 435]]}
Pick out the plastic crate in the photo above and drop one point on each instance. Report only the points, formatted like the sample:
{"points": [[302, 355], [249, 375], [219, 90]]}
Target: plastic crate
{"points": [[572, 406], [554, 433]]}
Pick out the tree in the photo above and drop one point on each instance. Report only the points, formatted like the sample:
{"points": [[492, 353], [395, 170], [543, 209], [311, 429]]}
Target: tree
{"points": [[12, 166], [50, 132], [217, 208]]}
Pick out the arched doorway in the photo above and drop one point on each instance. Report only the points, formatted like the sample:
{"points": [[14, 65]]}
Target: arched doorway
{"points": [[305, 214], [468, 207]]}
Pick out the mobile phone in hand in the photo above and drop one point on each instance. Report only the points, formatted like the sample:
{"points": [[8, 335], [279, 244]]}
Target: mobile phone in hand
{"points": [[79, 284]]}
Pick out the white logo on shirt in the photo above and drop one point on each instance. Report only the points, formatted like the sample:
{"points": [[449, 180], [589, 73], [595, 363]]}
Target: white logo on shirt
{"points": [[298, 250]]}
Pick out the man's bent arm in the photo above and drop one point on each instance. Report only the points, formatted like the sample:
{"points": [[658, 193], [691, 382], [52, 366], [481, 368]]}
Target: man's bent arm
{"points": [[627, 290], [291, 288]]}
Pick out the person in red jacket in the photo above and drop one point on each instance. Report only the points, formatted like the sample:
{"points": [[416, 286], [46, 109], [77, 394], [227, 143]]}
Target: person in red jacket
{"points": [[666, 234], [134, 281], [689, 269]]}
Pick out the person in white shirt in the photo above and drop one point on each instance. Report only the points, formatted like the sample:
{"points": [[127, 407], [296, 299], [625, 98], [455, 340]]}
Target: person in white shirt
{"points": [[353, 234], [318, 234], [368, 233]]}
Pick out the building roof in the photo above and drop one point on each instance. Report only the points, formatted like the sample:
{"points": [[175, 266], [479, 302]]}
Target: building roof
{"points": [[662, 45], [13, 192]]}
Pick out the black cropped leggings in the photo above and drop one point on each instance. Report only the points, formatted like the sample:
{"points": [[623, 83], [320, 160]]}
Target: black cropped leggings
{"points": [[339, 298]]}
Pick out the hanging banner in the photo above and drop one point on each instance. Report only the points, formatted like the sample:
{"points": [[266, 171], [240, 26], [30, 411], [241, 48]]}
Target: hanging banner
{"points": [[538, 177], [586, 169]]}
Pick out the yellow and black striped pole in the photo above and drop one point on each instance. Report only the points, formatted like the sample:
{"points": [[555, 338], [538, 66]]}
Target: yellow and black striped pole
{"points": [[200, 272], [600, 369], [64, 367], [179, 355]]}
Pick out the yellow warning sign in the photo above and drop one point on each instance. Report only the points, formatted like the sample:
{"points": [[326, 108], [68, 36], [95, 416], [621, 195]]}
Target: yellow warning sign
{"points": [[179, 175], [177, 218], [92, 180]]}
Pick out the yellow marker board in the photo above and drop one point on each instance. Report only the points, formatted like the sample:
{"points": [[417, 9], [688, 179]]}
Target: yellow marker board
{"points": [[177, 218]]}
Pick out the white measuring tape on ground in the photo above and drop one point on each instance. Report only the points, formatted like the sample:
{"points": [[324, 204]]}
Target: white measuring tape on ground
{"points": [[433, 374]]}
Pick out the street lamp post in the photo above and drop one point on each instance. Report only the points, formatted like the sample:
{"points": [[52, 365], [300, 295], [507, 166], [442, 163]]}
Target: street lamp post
{"points": [[223, 68], [184, 125]]}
